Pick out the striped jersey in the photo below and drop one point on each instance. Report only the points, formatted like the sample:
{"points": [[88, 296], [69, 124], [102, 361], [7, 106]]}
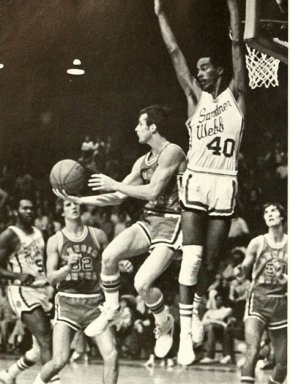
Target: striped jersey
{"points": [[29, 258], [168, 199], [215, 133], [85, 275], [271, 261]]}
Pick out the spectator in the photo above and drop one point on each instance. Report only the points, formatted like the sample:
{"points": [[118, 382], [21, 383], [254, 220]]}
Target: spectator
{"points": [[215, 325]]}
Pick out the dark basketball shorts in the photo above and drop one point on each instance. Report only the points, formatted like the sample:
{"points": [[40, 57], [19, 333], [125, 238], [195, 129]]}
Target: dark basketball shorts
{"points": [[162, 229], [212, 193], [77, 310], [271, 310]]}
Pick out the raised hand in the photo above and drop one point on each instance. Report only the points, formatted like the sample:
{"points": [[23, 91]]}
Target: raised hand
{"points": [[158, 6], [102, 182], [63, 195]]}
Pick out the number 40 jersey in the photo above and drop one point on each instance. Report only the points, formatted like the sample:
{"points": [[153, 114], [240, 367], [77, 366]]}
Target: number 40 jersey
{"points": [[215, 131]]}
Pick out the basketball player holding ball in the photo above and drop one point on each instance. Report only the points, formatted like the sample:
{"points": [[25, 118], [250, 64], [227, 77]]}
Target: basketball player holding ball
{"points": [[215, 124]]}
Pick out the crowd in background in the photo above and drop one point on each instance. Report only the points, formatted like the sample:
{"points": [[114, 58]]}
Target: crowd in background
{"points": [[262, 178]]}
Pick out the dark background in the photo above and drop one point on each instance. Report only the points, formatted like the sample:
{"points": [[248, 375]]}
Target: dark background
{"points": [[45, 113]]}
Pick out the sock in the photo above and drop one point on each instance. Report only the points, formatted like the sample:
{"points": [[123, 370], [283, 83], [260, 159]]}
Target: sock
{"points": [[38, 380], [21, 365], [185, 312], [196, 302], [111, 286], [158, 310], [247, 380]]}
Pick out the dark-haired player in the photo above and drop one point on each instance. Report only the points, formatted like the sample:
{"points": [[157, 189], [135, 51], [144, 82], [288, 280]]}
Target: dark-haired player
{"points": [[153, 178], [215, 125], [267, 257], [22, 265]]}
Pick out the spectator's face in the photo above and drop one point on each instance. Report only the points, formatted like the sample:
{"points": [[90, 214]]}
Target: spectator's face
{"points": [[219, 301], [272, 216], [25, 212]]}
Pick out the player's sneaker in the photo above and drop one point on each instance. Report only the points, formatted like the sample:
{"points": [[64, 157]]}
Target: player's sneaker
{"points": [[197, 330], [5, 378], [164, 337], [207, 360], [186, 355], [107, 318]]}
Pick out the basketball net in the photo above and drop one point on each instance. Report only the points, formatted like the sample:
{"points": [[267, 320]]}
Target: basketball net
{"points": [[262, 69]]}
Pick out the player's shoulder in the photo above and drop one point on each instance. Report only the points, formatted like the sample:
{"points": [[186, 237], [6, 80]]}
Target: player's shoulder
{"points": [[257, 242], [99, 234], [54, 239], [172, 152], [8, 235]]}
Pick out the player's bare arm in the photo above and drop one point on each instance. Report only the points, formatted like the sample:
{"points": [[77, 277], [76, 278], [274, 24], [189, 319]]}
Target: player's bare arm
{"points": [[105, 199], [169, 162], [55, 274], [186, 80], [9, 243], [244, 268], [238, 83]]}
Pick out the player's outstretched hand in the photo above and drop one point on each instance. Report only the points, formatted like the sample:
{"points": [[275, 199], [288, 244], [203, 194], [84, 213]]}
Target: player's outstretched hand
{"points": [[63, 195], [158, 6], [26, 279], [125, 266], [102, 182]]}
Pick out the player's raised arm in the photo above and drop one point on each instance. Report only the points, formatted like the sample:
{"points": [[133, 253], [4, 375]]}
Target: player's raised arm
{"points": [[188, 83], [238, 83], [169, 161], [104, 199]]}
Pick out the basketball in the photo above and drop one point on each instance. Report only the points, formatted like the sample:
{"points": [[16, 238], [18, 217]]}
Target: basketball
{"points": [[68, 175]]}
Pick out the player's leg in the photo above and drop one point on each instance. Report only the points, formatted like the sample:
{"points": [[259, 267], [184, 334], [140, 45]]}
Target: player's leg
{"points": [[254, 329], [106, 343], [279, 341], [24, 362], [131, 242], [38, 324], [62, 337], [193, 229], [155, 264], [216, 237]]}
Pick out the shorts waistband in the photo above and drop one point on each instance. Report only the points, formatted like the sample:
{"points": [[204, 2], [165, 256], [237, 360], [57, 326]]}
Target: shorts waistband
{"points": [[79, 295], [213, 171], [160, 214]]}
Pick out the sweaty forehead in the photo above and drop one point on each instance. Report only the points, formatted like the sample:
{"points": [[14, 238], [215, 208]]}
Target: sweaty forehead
{"points": [[143, 117], [203, 61], [25, 204]]}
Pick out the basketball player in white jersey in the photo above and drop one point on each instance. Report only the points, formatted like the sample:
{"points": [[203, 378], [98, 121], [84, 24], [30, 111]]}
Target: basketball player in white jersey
{"points": [[22, 265], [215, 125], [267, 257], [74, 265], [154, 178]]}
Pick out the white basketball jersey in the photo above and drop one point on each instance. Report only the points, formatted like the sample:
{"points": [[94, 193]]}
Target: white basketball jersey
{"points": [[215, 132], [29, 258]]}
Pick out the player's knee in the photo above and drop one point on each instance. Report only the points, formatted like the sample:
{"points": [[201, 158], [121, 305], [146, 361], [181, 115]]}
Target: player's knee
{"points": [[191, 261], [141, 285], [33, 354], [111, 356], [109, 258]]}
